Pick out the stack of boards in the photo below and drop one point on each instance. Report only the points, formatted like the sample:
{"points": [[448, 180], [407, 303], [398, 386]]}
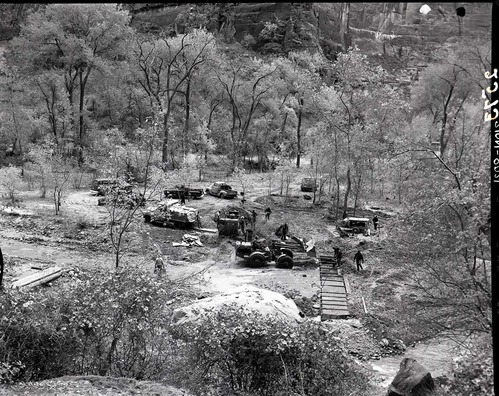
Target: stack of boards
{"points": [[38, 278]]}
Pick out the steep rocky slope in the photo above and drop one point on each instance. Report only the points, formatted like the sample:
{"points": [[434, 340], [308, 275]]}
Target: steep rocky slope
{"points": [[396, 30], [397, 33]]}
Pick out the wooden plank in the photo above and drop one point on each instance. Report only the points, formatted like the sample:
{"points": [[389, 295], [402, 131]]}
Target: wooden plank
{"points": [[335, 306], [347, 286], [335, 302], [364, 304], [38, 278], [211, 230], [330, 309]]}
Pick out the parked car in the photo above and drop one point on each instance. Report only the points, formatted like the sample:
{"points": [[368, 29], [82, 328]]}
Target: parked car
{"points": [[189, 192], [309, 184], [312, 184], [354, 225], [222, 190]]}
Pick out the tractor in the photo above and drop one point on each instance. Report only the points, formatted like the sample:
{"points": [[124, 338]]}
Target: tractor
{"points": [[259, 252]]}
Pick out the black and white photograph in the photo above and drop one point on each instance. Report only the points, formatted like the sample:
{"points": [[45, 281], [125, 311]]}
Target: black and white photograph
{"points": [[248, 199]]}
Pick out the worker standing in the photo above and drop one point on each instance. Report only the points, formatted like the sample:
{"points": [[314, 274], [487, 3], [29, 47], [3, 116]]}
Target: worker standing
{"points": [[159, 266], [242, 224], [359, 260], [375, 222], [285, 230], [253, 216], [268, 211], [182, 195]]}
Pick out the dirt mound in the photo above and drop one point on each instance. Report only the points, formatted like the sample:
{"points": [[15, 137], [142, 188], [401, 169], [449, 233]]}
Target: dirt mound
{"points": [[252, 299]]}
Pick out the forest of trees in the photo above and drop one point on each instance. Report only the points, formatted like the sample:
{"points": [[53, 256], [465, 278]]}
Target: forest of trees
{"points": [[82, 90], [78, 74]]}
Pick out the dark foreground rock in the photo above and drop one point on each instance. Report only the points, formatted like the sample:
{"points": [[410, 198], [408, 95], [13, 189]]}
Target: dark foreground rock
{"points": [[412, 379]]}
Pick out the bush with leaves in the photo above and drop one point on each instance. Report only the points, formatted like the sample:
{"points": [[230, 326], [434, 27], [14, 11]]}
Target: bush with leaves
{"points": [[234, 352], [11, 182], [31, 335], [120, 322], [98, 323], [473, 370]]}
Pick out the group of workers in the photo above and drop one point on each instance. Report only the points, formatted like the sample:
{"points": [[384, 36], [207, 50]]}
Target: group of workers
{"points": [[282, 231]]}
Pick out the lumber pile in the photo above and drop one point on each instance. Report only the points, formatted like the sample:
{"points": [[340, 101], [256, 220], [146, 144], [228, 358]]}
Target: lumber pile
{"points": [[38, 278]]}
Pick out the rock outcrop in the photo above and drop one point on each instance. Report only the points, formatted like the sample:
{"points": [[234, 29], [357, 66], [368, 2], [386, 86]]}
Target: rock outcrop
{"points": [[251, 300], [396, 32], [412, 379]]}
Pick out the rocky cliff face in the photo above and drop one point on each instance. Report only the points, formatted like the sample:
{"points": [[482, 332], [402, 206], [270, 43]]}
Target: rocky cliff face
{"points": [[397, 33]]}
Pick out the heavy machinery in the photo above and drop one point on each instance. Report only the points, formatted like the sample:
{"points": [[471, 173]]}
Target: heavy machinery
{"points": [[170, 213], [260, 252]]}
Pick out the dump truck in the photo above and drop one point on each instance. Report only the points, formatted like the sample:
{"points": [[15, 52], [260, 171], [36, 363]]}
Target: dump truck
{"points": [[169, 213], [260, 252]]}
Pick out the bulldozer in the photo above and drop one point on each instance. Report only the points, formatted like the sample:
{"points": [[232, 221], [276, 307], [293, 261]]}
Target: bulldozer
{"points": [[260, 252]]}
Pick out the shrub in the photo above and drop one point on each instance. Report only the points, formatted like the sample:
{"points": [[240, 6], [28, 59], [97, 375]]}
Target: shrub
{"points": [[473, 370], [11, 182], [98, 323], [234, 352]]}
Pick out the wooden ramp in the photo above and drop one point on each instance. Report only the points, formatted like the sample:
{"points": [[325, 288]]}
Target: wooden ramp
{"points": [[333, 290]]}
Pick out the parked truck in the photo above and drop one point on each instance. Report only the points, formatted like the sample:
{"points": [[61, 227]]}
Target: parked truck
{"points": [[189, 192]]}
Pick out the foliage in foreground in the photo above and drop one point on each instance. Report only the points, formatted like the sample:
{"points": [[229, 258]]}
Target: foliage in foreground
{"points": [[118, 324], [102, 324], [235, 352]]}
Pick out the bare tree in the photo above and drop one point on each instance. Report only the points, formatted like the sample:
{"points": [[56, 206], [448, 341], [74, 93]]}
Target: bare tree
{"points": [[166, 67]]}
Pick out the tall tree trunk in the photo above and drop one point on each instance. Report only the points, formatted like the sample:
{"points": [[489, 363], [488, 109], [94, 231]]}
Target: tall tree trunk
{"points": [[298, 132], [347, 192], [185, 140], [1, 269], [166, 133], [80, 110], [357, 193], [337, 196]]}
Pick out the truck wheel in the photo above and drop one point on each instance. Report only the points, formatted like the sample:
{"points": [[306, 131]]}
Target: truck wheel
{"points": [[356, 230], [256, 259], [147, 218], [287, 252], [284, 261]]}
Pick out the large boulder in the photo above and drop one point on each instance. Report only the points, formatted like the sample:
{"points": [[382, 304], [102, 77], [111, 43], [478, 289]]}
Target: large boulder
{"points": [[412, 379], [251, 300]]}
